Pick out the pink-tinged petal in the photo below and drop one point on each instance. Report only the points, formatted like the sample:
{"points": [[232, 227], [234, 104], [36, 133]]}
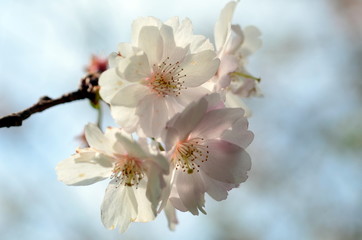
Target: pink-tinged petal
{"points": [[173, 106], [234, 40], [214, 123], [170, 212], [110, 83], [170, 136], [177, 203], [84, 168], [228, 64], [139, 23], [222, 25], [215, 101], [119, 207], [156, 184], [125, 117], [97, 140], [151, 42], [226, 162], [239, 134], [191, 94], [129, 95], [186, 121], [199, 68], [191, 189], [216, 189], [152, 112]]}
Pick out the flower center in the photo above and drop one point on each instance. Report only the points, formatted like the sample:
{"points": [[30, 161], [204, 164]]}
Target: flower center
{"points": [[166, 79], [128, 170], [189, 154]]}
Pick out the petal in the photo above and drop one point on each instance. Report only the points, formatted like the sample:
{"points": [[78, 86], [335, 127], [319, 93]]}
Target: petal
{"points": [[234, 40], [125, 117], [216, 189], [153, 115], [151, 42], [119, 207], [168, 41], [146, 211], [223, 24], [252, 40], [110, 84], [131, 147], [170, 136], [239, 134], [199, 68], [173, 22], [228, 64], [184, 36], [139, 23], [226, 162], [191, 189], [135, 68], [187, 120], [191, 94], [215, 101], [130, 95], [126, 49], [170, 212], [215, 122], [200, 43], [155, 185], [97, 140], [84, 168]]}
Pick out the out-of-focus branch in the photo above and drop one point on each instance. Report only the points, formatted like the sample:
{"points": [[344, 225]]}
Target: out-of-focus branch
{"points": [[88, 89]]}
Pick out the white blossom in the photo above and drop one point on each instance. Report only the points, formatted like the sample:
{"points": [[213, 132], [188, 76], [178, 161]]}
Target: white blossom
{"points": [[233, 46], [156, 75], [137, 177], [206, 149]]}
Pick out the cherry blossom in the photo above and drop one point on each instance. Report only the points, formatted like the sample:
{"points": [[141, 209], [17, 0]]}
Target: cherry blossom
{"points": [[158, 74], [137, 176], [206, 145], [233, 46]]}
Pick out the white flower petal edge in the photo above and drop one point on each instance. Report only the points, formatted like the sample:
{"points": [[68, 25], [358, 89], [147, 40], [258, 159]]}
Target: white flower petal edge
{"points": [[137, 185], [206, 147], [84, 168], [157, 73]]}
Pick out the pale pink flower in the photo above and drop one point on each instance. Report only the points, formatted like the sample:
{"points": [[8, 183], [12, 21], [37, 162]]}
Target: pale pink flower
{"points": [[206, 147], [156, 75], [137, 176], [233, 46]]}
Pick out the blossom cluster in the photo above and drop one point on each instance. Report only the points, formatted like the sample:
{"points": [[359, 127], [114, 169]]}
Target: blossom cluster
{"points": [[183, 127]]}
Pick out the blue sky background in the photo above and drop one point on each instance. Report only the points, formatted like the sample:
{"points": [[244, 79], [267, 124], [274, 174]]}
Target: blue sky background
{"points": [[305, 181]]}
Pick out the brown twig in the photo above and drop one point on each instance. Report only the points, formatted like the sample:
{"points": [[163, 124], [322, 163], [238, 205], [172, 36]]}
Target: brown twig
{"points": [[87, 90]]}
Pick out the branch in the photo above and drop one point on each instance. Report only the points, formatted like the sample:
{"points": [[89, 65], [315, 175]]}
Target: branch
{"points": [[88, 89]]}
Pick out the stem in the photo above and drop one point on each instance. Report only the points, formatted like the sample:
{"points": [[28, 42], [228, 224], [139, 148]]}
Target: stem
{"points": [[87, 90]]}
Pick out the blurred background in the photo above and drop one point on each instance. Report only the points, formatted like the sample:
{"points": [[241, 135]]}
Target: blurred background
{"points": [[306, 178]]}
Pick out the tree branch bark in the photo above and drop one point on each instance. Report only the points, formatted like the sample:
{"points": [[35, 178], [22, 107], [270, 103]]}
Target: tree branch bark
{"points": [[88, 89]]}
